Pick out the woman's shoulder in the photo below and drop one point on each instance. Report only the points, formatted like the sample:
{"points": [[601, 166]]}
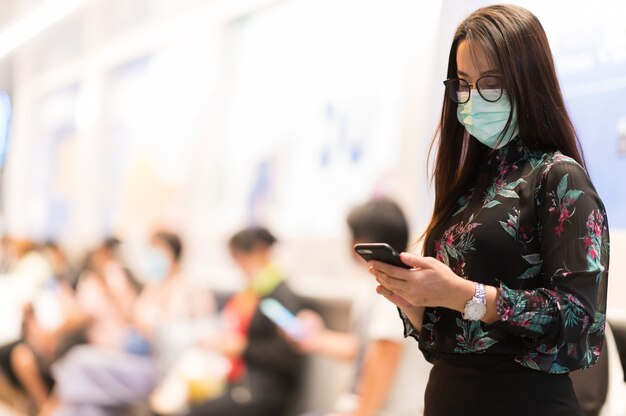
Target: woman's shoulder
{"points": [[563, 179], [558, 161], [551, 166]]}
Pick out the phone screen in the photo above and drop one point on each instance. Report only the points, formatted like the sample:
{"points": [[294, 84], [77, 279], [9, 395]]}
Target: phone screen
{"points": [[380, 251], [283, 318]]}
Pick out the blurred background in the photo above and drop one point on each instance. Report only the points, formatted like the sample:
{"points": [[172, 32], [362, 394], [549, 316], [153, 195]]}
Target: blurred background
{"points": [[119, 117]]}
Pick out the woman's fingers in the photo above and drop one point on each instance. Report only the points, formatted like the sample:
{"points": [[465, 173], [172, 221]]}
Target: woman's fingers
{"points": [[393, 298], [389, 270], [406, 287], [415, 261], [382, 291], [391, 283]]}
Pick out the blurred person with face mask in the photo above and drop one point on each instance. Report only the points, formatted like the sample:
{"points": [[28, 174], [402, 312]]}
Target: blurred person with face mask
{"points": [[172, 309]]}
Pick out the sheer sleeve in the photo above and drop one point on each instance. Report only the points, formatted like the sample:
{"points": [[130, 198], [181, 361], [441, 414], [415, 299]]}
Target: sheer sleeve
{"points": [[562, 323], [409, 329]]}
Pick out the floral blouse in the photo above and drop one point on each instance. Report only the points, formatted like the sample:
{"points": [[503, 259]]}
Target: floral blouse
{"points": [[535, 227]]}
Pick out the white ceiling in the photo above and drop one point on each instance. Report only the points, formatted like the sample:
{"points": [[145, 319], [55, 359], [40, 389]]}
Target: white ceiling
{"points": [[10, 12], [8, 9]]}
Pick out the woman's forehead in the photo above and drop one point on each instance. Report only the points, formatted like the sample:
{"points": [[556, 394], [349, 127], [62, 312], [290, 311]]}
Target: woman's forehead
{"points": [[471, 56]]}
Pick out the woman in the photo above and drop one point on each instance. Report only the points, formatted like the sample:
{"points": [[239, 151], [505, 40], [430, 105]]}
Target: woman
{"points": [[510, 295]]}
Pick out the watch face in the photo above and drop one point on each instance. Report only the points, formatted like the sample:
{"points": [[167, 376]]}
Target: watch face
{"points": [[474, 310]]}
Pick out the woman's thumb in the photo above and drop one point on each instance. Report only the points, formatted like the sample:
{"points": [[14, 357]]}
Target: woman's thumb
{"points": [[415, 261]]}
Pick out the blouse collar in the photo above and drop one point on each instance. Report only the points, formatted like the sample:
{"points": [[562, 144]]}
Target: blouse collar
{"points": [[515, 151]]}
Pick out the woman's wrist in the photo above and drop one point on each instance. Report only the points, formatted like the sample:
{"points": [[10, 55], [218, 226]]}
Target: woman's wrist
{"points": [[463, 290], [415, 315]]}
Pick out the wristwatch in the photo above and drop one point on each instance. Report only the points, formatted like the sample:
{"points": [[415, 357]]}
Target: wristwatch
{"points": [[476, 307]]}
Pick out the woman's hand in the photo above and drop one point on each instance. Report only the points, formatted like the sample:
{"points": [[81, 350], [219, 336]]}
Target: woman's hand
{"points": [[428, 283], [397, 300]]}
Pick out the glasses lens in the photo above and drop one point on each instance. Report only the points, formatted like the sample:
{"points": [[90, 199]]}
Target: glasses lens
{"points": [[458, 90], [490, 88]]}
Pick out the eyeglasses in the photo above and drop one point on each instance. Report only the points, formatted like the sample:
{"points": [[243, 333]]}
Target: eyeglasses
{"points": [[489, 87]]}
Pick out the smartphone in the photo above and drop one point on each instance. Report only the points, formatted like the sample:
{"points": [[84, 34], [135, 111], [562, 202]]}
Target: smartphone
{"points": [[283, 318], [380, 251]]}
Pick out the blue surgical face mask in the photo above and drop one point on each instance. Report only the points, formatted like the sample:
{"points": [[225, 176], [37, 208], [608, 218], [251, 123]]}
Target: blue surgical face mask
{"points": [[157, 265], [486, 120]]}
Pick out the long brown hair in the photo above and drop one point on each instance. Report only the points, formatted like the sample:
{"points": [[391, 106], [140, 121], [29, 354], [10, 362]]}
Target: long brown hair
{"points": [[515, 44]]}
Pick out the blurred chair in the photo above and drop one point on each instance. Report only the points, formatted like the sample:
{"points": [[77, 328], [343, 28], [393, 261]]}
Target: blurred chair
{"points": [[618, 327], [615, 404], [592, 384], [600, 389]]}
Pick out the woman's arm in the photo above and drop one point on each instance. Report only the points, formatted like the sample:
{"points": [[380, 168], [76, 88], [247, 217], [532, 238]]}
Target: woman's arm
{"points": [[562, 322]]}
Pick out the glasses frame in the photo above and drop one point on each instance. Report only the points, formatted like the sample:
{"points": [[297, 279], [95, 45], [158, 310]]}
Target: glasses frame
{"points": [[472, 85]]}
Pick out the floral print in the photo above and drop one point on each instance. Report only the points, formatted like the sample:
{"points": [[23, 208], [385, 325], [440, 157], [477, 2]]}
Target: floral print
{"points": [[473, 338], [455, 243], [594, 243], [562, 203], [534, 227]]}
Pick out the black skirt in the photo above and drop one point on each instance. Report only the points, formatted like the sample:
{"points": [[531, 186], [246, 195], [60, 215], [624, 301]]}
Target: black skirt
{"points": [[467, 385]]}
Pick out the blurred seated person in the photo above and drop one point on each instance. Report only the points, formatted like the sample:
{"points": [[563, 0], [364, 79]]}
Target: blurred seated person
{"points": [[23, 261], [148, 333], [172, 310], [47, 319], [391, 375], [103, 303], [265, 369], [106, 294], [18, 252], [61, 267]]}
